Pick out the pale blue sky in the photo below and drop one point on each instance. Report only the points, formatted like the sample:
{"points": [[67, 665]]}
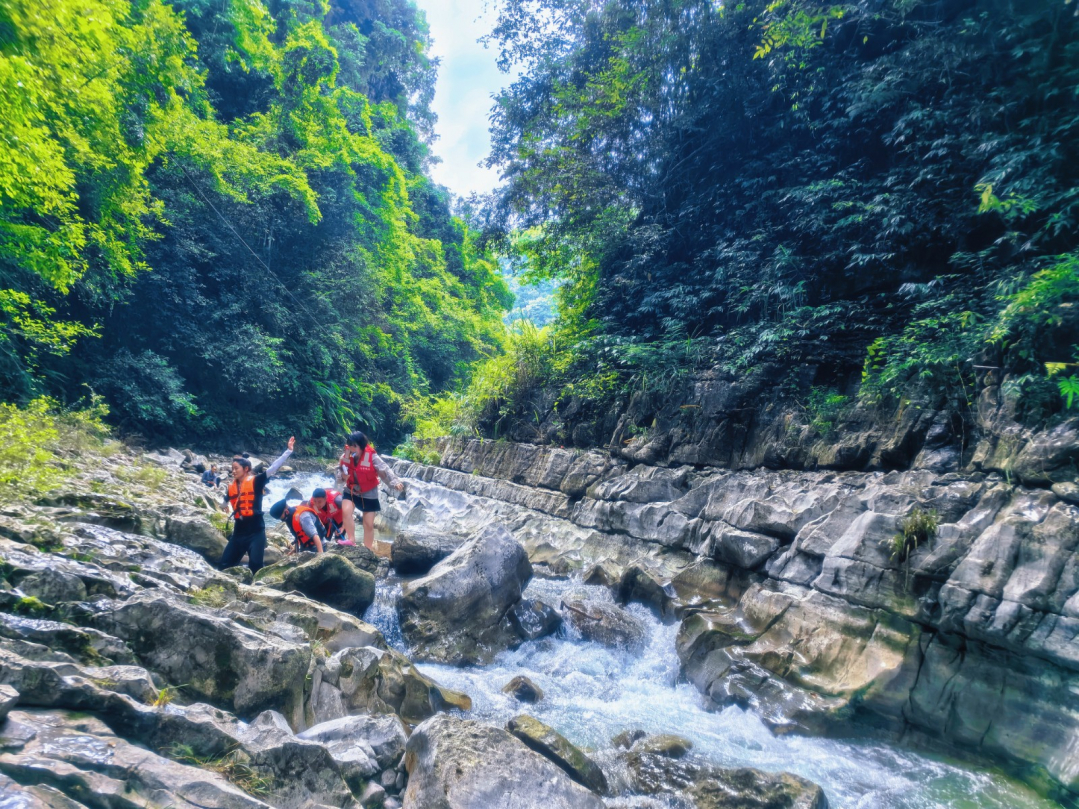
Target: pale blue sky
{"points": [[467, 78]]}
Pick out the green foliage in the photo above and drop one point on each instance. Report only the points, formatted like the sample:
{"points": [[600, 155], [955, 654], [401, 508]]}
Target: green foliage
{"points": [[32, 607], [798, 181], [221, 210], [824, 406], [916, 529], [930, 354], [233, 765], [27, 437]]}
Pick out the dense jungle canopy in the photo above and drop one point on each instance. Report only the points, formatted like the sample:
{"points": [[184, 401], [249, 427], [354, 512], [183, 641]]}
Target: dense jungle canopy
{"points": [[216, 215]]}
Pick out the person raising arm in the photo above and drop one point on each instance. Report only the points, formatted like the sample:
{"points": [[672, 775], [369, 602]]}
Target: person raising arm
{"points": [[244, 498]]}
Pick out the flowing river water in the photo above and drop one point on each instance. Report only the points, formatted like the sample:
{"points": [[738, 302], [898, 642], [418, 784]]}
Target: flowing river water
{"points": [[592, 693]]}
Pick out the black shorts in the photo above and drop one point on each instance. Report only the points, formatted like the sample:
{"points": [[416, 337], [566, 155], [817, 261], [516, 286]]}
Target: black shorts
{"points": [[364, 504]]}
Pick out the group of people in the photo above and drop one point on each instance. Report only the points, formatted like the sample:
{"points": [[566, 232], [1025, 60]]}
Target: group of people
{"points": [[327, 515]]}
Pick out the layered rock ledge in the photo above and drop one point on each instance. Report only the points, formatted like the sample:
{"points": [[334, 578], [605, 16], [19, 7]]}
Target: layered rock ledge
{"points": [[792, 601]]}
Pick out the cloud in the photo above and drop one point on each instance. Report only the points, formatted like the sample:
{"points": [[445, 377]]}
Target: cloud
{"points": [[467, 79]]}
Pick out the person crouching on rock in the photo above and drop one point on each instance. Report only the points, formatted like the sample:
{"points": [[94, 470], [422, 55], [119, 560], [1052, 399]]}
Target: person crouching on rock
{"points": [[303, 523], [362, 469], [327, 506], [244, 497]]}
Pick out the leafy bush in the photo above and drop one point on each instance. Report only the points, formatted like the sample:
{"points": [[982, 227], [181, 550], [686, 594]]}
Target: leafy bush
{"points": [[916, 529], [824, 406], [34, 439]]}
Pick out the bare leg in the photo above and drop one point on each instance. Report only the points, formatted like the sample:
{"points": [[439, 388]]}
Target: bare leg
{"points": [[369, 530], [349, 519]]}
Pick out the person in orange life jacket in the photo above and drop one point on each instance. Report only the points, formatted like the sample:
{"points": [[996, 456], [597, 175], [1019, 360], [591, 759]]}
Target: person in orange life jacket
{"points": [[327, 506], [244, 498], [303, 523], [362, 469]]}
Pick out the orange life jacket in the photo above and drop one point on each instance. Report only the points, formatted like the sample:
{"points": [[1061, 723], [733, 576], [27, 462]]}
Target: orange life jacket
{"points": [[329, 512], [362, 475], [242, 498], [297, 527]]}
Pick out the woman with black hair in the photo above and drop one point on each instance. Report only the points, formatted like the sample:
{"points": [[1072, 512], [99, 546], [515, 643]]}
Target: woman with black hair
{"points": [[244, 497], [362, 468]]}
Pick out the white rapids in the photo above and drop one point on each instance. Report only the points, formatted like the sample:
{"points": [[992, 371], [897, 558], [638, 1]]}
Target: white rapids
{"points": [[592, 693]]}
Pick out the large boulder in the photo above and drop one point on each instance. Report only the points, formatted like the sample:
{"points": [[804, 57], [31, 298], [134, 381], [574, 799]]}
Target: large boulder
{"points": [[457, 612], [334, 580], [457, 764], [604, 623], [195, 532], [551, 744], [413, 553], [235, 667]]}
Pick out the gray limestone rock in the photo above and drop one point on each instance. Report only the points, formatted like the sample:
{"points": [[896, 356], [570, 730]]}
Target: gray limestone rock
{"points": [[195, 532], [457, 764], [457, 612], [533, 619], [9, 698], [604, 623], [551, 744], [523, 689], [414, 553], [233, 666], [335, 581]]}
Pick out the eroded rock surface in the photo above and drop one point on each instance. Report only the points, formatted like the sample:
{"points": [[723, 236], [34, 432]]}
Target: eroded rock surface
{"points": [[792, 599], [459, 764], [457, 613]]}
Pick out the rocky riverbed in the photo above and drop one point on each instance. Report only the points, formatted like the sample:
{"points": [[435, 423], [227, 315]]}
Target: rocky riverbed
{"points": [[524, 646]]}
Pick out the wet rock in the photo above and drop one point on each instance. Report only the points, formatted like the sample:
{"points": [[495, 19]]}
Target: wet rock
{"points": [[523, 689], [551, 744], [81, 758], [604, 623], [534, 620], [233, 666], [334, 580], [640, 585], [414, 553], [372, 680], [457, 612], [359, 556], [626, 738], [83, 643], [603, 575], [712, 787], [195, 532], [665, 744], [373, 796], [457, 764], [54, 586], [9, 698], [97, 509]]}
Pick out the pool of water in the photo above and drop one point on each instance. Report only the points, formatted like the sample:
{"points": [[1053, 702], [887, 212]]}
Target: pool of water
{"points": [[592, 693]]}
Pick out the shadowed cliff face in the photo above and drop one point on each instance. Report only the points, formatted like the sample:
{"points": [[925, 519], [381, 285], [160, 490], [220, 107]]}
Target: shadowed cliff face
{"points": [[791, 601], [720, 419]]}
